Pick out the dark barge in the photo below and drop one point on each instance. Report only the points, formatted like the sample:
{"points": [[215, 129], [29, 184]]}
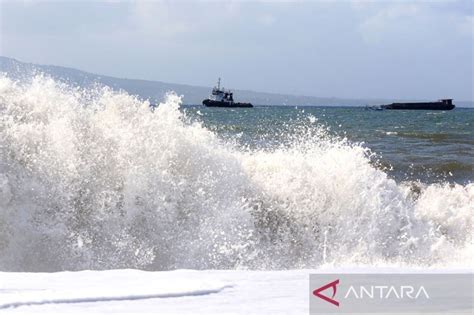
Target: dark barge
{"points": [[444, 104]]}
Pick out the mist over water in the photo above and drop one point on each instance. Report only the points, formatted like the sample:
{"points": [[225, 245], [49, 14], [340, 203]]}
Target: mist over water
{"points": [[92, 179]]}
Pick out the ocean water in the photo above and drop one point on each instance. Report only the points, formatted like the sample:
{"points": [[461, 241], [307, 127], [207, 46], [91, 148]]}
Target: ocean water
{"points": [[425, 146], [93, 179]]}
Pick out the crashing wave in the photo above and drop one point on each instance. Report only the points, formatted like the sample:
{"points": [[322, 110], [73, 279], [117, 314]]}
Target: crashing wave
{"points": [[92, 179]]}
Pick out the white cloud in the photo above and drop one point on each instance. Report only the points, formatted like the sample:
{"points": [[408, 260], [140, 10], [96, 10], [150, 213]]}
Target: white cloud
{"points": [[167, 19], [465, 25], [374, 28], [267, 20], [158, 18], [406, 19]]}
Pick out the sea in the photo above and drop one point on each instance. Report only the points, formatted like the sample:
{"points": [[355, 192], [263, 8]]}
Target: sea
{"points": [[93, 178], [417, 146]]}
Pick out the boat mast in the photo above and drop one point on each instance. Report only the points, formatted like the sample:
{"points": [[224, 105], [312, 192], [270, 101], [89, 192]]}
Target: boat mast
{"points": [[219, 84]]}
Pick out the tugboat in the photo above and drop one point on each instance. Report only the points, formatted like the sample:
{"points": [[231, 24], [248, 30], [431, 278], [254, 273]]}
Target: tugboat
{"points": [[222, 98]]}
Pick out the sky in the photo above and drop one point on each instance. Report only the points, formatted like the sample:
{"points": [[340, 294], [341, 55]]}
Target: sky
{"points": [[349, 49]]}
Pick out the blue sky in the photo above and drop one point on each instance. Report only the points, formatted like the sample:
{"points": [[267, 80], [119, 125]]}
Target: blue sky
{"points": [[351, 49]]}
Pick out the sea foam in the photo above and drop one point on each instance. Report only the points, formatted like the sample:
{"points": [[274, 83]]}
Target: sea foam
{"points": [[93, 179]]}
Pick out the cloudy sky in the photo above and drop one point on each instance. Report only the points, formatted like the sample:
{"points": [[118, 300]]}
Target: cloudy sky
{"points": [[352, 49]]}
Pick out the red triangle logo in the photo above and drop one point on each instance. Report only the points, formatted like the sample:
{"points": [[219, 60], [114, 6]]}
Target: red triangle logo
{"points": [[332, 285]]}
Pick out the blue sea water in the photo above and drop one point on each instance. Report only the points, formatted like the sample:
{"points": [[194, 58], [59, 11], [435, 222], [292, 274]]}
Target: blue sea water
{"points": [[426, 146]]}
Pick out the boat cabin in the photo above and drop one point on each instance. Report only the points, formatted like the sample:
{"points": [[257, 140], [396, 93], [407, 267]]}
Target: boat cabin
{"points": [[221, 95]]}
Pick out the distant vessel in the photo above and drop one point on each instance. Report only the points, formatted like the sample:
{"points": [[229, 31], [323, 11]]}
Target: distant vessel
{"points": [[374, 107], [222, 98], [444, 104]]}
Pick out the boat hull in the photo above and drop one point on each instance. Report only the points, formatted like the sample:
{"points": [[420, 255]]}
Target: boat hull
{"points": [[420, 106], [212, 103]]}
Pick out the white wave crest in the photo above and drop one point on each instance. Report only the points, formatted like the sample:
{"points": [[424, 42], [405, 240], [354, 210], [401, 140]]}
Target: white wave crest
{"points": [[93, 179]]}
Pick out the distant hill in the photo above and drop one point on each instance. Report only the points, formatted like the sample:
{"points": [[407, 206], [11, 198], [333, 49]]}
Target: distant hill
{"points": [[155, 90]]}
